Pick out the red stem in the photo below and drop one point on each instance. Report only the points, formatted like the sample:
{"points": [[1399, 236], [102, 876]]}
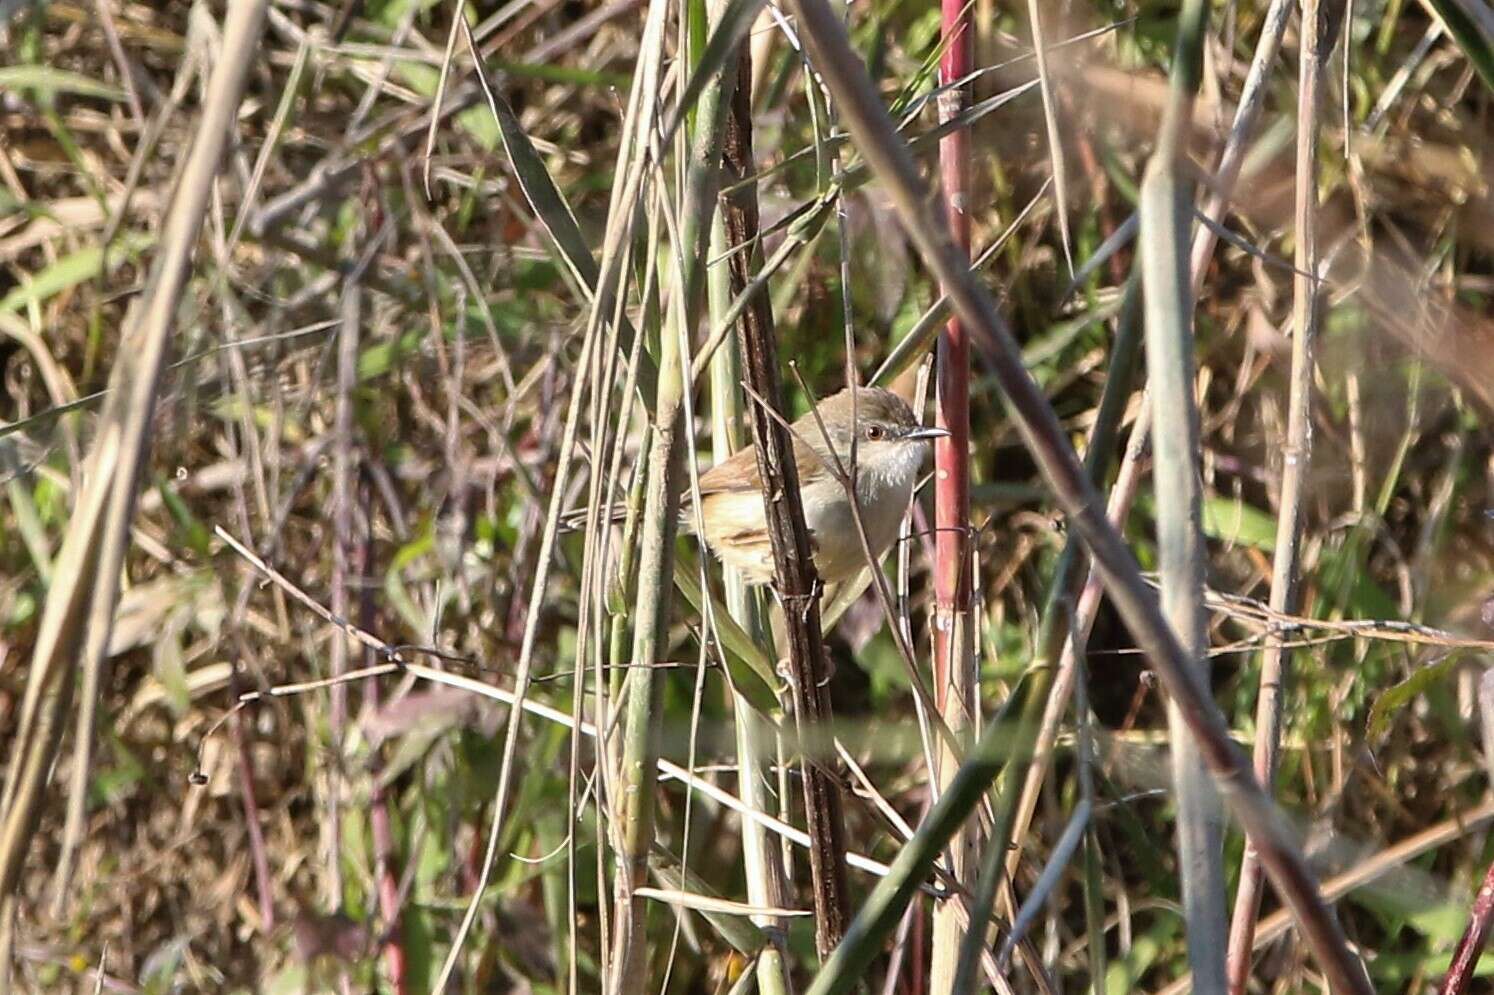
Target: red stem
{"points": [[264, 884], [952, 391], [1465, 961]]}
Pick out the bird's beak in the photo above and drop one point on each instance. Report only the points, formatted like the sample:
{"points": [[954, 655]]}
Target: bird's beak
{"points": [[927, 433]]}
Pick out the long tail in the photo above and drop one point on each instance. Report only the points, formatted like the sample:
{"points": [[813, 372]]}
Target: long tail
{"points": [[575, 519]]}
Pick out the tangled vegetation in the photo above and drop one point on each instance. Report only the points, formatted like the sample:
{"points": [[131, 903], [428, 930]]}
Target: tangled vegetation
{"points": [[406, 351]]}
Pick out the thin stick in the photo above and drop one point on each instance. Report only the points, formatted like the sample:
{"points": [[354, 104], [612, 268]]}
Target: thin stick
{"points": [[795, 581], [1306, 317]]}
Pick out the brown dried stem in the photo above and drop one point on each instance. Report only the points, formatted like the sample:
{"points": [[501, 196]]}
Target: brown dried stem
{"points": [[795, 581]]}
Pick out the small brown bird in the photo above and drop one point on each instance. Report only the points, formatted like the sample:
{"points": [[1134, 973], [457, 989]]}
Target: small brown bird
{"points": [[890, 450]]}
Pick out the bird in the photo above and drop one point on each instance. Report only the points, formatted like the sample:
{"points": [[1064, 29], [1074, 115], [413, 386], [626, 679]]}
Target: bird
{"points": [[891, 447]]}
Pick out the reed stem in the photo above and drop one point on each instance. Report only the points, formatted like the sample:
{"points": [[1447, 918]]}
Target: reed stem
{"points": [[796, 583], [955, 677], [1306, 318]]}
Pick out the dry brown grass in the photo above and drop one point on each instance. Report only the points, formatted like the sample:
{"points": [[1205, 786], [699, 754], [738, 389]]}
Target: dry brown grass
{"points": [[454, 399]]}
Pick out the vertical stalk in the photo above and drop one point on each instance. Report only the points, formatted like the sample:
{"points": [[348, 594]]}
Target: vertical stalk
{"points": [[1166, 224], [633, 796], [644, 687], [1164, 202], [954, 656], [1306, 315], [795, 581], [763, 860]]}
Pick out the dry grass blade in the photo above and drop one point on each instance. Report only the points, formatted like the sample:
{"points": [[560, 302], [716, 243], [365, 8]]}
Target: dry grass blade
{"points": [[710, 903], [1055, 132], [1296, 454], [85, 584]]}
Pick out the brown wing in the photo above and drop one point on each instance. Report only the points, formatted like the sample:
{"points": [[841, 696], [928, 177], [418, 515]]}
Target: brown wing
{"points": [[739, 472], [736, 473]]}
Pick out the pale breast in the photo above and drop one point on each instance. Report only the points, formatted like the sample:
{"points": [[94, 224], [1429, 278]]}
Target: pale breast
{"points": [[735, 529], [827, 512]]}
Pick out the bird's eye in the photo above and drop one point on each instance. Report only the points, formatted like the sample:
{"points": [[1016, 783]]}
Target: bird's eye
{"points": [[875, 432]]}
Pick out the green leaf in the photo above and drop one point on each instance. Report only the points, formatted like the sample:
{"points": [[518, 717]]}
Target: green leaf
{"points": [[420, 937], [412, 551], [170, 668], [49, 81], [192, 531], [1470, 39], [1401, 694], [119, 780], [751, 669], [73, 269], [1233, 521], [377, 360]]}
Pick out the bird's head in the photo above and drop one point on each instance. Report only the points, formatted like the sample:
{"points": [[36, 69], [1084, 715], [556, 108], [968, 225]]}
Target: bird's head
{"points": [[890, 443]]}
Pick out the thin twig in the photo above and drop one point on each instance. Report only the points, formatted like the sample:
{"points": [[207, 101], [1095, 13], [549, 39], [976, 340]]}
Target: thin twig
{"points": [[1296, 453]]}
